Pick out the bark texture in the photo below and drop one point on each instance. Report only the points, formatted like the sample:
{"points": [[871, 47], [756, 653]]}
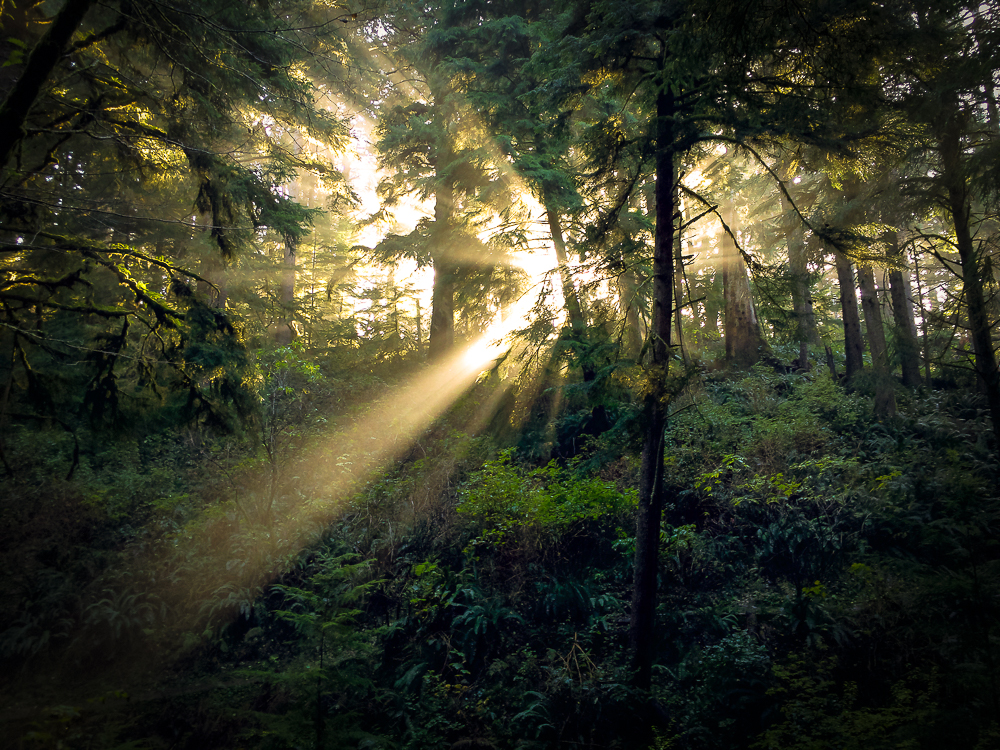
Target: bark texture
{"points": [[647, 533], [37, 69], [745, 345], [853, 344], [901, 295]]}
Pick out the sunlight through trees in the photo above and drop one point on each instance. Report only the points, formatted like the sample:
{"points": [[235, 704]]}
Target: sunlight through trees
{"points": [[494, 374]]}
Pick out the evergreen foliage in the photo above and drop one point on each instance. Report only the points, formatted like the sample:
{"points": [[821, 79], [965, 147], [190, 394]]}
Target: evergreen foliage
{"points": [[264, 484]]}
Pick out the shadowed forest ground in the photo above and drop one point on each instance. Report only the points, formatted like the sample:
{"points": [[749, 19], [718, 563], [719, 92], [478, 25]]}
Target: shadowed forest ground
{"points": [[824, 578]]}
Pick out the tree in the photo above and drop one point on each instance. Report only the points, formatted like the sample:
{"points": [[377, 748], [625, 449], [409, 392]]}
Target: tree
{"points": [[426, 143], [707, 73], [37, 70], [951, 107], [885, 400], [907, 346], [799, 276], [161, 121], [504, 63], [745, 345]]}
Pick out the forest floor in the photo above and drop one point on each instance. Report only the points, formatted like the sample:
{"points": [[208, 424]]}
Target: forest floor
{"points": [[824, 578]]}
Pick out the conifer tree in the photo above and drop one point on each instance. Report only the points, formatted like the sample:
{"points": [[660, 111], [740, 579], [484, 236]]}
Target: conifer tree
{"points": [[704, 72], [801, 287], [745, 344], [903, 304], [160, 121], [948, 106], [504, 56], [427, 142]]}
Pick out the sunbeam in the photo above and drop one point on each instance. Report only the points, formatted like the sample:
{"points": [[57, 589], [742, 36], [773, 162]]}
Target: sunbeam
{"points": [[335, 467]]}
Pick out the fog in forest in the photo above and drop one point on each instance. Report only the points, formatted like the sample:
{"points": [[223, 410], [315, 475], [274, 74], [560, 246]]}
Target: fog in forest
{"points": [[488, 374]]}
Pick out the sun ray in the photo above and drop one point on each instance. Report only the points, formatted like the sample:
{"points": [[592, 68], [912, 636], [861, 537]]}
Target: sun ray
{"points": [[339, 464]]}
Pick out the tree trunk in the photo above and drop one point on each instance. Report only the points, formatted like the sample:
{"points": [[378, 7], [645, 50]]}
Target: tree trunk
{"points": [[442, 331], [830, 364], [574, 310], [960, 208], [598, 422], [885, 399], [647, 533], [633, 332], [744, 343], [39, 66], [728, 320], [679, 276], [853, 345], [902, 314], [285, 332], [924, 304], [802, 307]]}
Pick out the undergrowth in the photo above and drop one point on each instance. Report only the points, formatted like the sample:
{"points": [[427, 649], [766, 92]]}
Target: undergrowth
{"points": [[825, 580]]}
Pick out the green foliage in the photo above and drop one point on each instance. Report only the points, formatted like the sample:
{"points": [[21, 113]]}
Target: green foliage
{"points": [[818, 711], [715, 693], [177, 501], [326, 679], [462, 625], [762, 421], [550, 499]]}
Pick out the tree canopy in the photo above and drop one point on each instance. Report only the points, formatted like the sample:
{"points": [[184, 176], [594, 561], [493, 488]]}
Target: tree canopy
{"points": [[499, 374]]}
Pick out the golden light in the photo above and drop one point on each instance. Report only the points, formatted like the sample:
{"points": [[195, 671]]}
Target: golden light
{"points": [[335, 466], [340, 463]]}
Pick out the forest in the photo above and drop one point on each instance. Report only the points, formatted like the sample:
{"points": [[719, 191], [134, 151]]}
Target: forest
{"points": [[499, 374]]}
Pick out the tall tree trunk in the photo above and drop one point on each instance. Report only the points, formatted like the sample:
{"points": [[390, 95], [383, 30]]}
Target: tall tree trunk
{"points": [[802, 307], [442, 330], [902, 314], [924, 304], [679, 275], [633, 332], [728, 320], [39, 66], [745, 345], [598, 422], [285, 332], [647, 533], [853, 345], [960, 207], [574, 310], [885, 399]]}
